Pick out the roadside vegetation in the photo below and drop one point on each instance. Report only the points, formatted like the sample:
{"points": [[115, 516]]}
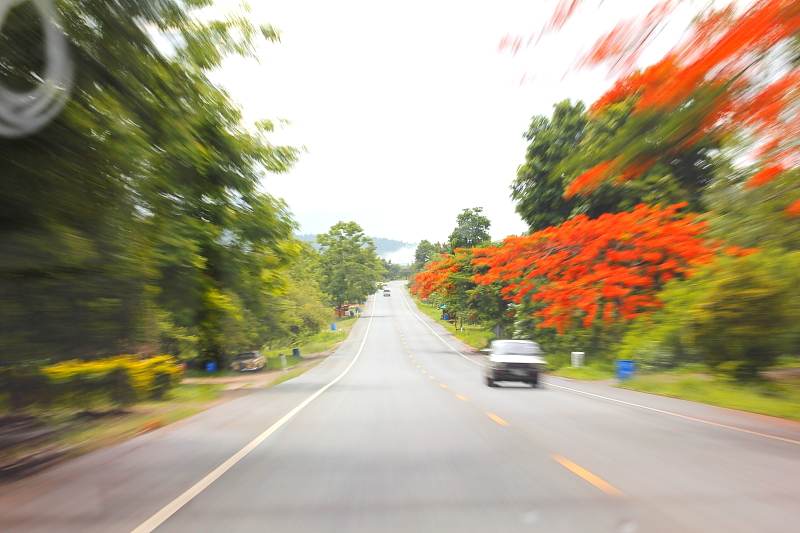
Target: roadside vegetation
{"points": [[777, 396], [478, 336], [315, 344], [589, 373], [664, 221], [136, 223]]}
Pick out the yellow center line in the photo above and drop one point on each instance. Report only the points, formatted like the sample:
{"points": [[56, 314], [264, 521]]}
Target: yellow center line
{"points": [[462, 397], [442, 385], [496, 419], [587, 476]]}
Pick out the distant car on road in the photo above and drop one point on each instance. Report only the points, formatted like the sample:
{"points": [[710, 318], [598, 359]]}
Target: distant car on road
{"points": [[248, 362], [514, 360], [387, 292]]}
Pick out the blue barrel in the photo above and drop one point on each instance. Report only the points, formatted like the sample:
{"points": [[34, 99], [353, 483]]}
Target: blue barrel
{"points": [[211, 366], [625, 369], [295, 352], [333, 326]]}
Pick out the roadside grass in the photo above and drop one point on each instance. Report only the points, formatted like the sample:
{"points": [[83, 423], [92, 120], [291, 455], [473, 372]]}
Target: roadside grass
{"points": [[787, 361], [318, 343], [82, 433], [774, 398], [183, 402], [584, 372], [476, 335]]}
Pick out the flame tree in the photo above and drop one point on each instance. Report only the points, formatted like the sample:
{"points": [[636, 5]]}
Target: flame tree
{"points": [[735, 76], [584, 269]]}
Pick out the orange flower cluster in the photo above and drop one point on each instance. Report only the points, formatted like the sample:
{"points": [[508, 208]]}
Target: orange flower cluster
{"points": [[609, 267], [436, 276], [750, 86]]}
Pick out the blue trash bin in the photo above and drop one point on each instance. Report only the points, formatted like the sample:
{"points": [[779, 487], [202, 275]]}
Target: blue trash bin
{"points": [[625, 369], [211, 366], [333, 326]]}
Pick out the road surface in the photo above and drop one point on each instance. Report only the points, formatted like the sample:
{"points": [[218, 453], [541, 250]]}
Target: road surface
{"points": [[396, 432]]}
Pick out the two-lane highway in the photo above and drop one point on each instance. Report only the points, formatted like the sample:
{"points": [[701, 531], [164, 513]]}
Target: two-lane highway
{"points": [[396, 432]]}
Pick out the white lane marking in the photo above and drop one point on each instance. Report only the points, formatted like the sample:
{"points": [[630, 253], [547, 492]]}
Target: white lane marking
{"points": [[630, 404], [174, 506], [414, 314], [677, 415]]}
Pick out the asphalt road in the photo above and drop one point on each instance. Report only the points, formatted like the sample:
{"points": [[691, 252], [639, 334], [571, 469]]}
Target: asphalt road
{"points": [[396, 432]]}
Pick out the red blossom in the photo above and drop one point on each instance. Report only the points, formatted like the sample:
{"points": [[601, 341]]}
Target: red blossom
{"points": [[610, 267], [764, 176]]}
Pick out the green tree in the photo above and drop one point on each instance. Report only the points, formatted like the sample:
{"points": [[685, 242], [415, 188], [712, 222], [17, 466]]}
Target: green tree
{"points": [[300, 310], [539, 186], [572, 141], [472, 229], [392, 271], [754, 217], [737, 314], [135, 217], [349, 265], [426, 251]]}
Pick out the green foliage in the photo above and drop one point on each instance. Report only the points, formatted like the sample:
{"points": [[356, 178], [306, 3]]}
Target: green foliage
{"points": [[770, 398], [119, 381], [755, 217], [135, 219], [392, 271], [472, 229], [470, 303], [426, 251], [120, 389], [476, 335], [572, 141], [25, 386], [299, 311], [539, 187], [589, 373], [737, 315], [349, 267]]}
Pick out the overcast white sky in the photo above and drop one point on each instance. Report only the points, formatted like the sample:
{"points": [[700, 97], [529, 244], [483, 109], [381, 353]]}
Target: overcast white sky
{"points": [[408, 111]]}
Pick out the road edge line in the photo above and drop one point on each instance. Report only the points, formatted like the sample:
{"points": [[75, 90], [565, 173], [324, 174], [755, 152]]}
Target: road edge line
{"points": [[189, 494], [678, 415], [416, 315]]}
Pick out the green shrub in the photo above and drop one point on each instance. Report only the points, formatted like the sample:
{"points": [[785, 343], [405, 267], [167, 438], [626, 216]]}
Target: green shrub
{"points": [[25, 387], [89, 378], [737, 315], [119, 387], [162, 384]]}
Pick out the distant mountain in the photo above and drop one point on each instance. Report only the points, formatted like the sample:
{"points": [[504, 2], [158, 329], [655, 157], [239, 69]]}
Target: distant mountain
{"points": [[386, 248]]}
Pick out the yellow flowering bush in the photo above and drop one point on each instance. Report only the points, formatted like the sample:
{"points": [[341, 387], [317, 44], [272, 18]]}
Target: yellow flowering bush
{"points": [[90, 381]]}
